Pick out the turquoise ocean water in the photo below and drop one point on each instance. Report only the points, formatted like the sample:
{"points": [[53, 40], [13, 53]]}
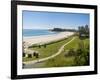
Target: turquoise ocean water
{"points": [[36, 32]]}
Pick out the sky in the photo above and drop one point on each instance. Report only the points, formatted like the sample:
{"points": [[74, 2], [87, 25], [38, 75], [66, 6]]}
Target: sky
{"points": [[50, 20]]}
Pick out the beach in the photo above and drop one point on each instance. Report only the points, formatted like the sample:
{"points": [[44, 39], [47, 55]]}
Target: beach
{"points": [[43, 39]]}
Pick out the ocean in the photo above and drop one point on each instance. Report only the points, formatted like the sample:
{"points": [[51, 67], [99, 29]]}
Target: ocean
{"points": [[36, 32]]}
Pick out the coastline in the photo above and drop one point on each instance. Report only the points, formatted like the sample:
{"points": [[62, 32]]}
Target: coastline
{"points": [[28, 41]]}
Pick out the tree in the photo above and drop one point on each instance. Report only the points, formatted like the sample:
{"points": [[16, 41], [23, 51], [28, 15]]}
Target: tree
{"points": [[37, 55], [45, 45], [39, 46]]}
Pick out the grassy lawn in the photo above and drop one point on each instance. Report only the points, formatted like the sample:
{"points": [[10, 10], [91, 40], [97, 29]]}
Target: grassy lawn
{"points": [[61, 60], [49, 50]]}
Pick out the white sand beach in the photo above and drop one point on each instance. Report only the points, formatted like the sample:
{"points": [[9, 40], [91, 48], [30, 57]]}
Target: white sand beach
{"points": [[28, 41]]}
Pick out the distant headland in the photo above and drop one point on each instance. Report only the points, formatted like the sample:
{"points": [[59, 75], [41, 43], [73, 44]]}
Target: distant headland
{"points": [[61, 30]]}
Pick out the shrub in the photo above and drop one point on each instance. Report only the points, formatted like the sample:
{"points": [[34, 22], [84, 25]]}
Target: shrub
{"points": [[71, 52]]}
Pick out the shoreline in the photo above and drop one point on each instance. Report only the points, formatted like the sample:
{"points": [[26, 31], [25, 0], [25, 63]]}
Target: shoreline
{"points": [[28, 41]]}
